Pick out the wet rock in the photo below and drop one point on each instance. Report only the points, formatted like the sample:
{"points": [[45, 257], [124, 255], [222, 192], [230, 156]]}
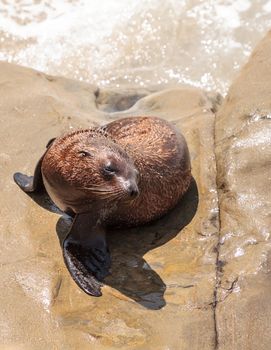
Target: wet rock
{"points": [[120, 100], [243, 152], [160, 292]]}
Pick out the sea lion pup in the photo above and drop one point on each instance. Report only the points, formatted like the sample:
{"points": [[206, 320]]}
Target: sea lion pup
{"points": [[126, 173]]}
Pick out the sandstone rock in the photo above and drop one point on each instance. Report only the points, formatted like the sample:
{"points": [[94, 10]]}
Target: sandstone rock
{"points": [[160, 294], [243, 152]]}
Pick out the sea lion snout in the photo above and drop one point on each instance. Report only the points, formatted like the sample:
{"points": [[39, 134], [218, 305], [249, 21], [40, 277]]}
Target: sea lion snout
{"points": [[129, 186], [133, 190]]}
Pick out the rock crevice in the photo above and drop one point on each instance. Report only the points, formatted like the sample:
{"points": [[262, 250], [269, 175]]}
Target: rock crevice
{"points": [[243, 153]]}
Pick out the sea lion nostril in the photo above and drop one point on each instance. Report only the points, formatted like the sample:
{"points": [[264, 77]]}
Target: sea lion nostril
{"points": [[133, 191]]}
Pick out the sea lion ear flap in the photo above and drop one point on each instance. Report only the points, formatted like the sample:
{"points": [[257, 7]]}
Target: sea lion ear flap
{"points": [[49, 143], [30, 184], [86, 255]]}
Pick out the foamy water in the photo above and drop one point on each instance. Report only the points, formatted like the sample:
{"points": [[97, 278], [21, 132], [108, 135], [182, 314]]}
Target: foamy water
{"points": [[139, 43]]}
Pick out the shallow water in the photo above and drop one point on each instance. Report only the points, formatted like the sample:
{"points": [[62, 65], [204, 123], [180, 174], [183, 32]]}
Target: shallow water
{"points": [[140, 43]]}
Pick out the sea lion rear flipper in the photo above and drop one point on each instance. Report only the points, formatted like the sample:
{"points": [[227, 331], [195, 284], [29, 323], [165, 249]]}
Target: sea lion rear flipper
{"points": [[34, 183], [86, 254]]}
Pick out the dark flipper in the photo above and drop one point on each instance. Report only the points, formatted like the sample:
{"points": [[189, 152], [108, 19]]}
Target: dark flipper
{"points": [[49, 143], [34, 183], [86, 254], [30, 184]]}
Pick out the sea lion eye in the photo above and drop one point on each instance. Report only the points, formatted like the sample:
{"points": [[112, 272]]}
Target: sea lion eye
{"points": [[84, 153], [109, 170]]}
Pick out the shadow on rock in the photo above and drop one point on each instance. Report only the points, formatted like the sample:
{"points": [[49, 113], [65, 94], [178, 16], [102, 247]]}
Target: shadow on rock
{"points": [[130, 273]]}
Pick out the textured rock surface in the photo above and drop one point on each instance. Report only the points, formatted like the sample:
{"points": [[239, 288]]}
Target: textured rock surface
{"points": [[243, 151], [161, 291], [197, 279]]}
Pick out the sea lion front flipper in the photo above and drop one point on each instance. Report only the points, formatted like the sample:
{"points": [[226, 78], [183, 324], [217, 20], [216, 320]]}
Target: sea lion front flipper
{"points": [[30, 184], [86, 254], [34, 183]]}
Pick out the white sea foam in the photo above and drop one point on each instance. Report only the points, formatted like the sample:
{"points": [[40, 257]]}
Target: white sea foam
{"points": [[141, 43]]}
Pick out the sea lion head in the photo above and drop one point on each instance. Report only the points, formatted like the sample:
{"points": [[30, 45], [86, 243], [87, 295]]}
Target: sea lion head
{"points": [[88, 167]]}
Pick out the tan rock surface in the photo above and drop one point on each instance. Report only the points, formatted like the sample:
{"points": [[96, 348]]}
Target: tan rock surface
{"points": [[197, 279], [243, 152], [161, 291]]}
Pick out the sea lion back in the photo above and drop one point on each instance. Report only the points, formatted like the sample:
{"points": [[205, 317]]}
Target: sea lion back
{"points": [[160, 153]]}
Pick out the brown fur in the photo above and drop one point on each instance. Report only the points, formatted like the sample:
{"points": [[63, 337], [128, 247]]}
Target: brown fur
{"points": [[147, 151]]}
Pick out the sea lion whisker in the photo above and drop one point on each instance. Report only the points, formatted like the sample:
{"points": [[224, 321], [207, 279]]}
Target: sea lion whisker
{"points": [[112, 197], [108, 193], [102, 190], [117, 196], [113, 191]]}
